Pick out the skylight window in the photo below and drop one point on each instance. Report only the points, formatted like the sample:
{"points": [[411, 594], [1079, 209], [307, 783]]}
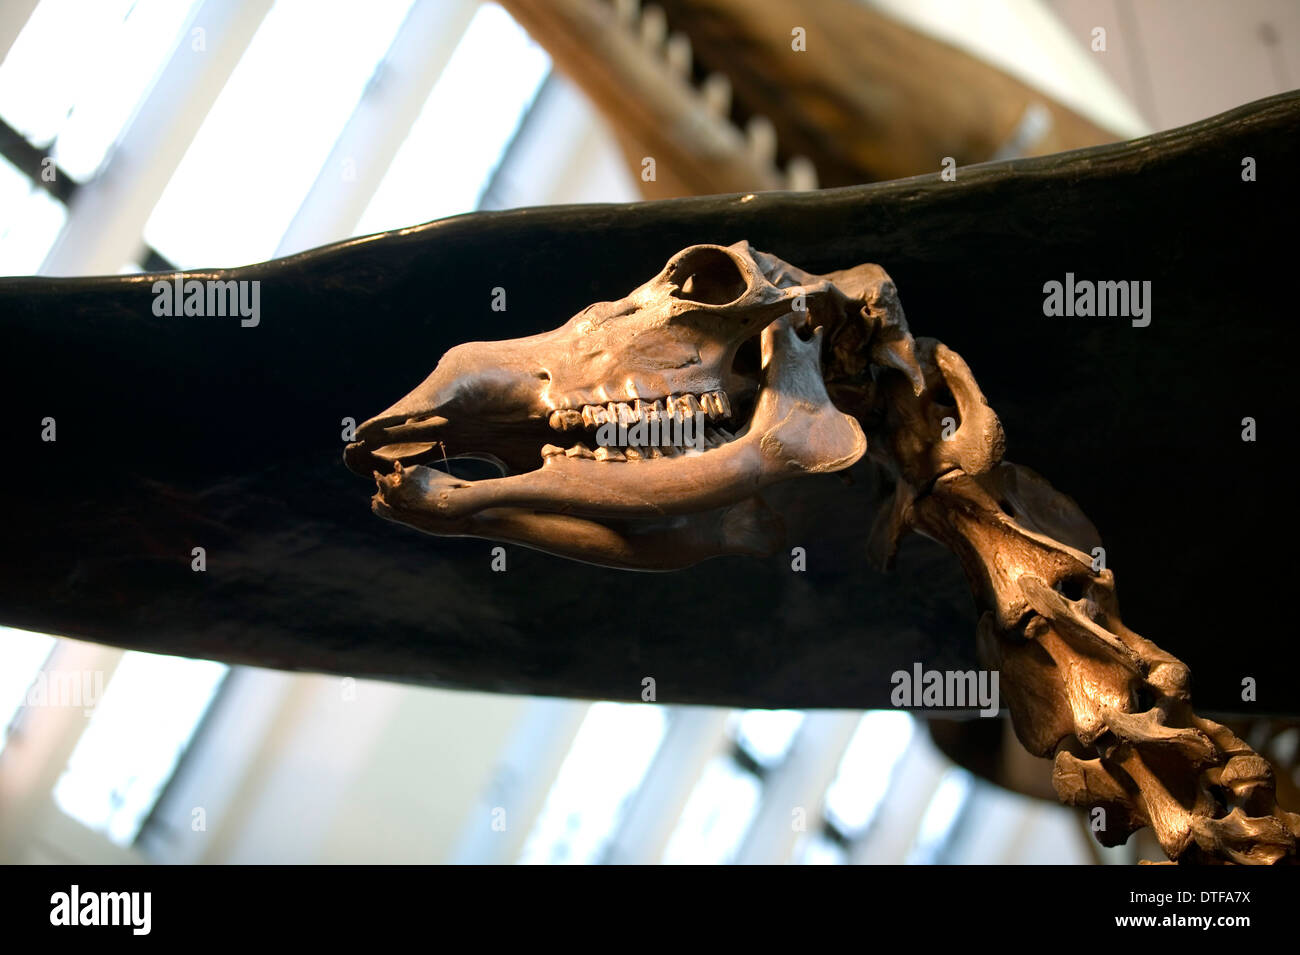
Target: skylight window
{"points": [[78, 70], [138, 733], [716, 817], [766, 736], [30, 221], [22, 655], [866, 769], [447, 160], [266, 137], [609, 758]]}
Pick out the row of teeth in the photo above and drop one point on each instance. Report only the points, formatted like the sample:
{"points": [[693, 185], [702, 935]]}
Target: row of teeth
{"points": [[714, 404], [713, 438]]}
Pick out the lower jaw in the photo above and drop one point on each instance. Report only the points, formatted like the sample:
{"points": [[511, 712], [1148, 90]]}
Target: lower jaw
{"points": [[570, 484]]}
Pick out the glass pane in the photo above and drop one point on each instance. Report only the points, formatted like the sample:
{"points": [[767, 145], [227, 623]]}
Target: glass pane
{"points": [[22, 654], [610, 756], [79, 69], [866, 768], [30, 221], [822, 850], [135, 738], [766, 735], [266, 137], [941, 816], [716, 817], [447, 159]]}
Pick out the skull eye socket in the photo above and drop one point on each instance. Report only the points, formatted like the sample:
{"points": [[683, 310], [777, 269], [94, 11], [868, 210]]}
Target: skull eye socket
{"points": [[708, 276]]}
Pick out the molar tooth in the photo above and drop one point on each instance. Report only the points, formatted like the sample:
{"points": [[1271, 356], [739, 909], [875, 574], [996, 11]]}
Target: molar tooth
{"points": [[609, 454], [656, 410], [624, 413], [652, 452], [565, 419], [579, 450], [669, 451], [550, 450], [634, 454], [589, 415], [692, 404], [724, 403], [710, 405]]}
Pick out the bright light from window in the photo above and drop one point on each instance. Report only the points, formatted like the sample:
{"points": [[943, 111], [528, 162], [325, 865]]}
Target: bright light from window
{"points": [[820, 849], [79, 69], [134, 740], [716, 816], [472, 113], [30, 220], [22, 654], [941, 815], [610, 756], [267, 136], [766, 735], [866, 768]]}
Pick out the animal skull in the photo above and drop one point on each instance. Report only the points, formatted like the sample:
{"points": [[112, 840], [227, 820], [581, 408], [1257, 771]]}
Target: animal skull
{"points": [[717, 372]]}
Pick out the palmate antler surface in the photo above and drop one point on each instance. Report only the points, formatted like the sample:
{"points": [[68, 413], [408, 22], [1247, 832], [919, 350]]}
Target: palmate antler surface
{"points": [[1111, 708]]}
